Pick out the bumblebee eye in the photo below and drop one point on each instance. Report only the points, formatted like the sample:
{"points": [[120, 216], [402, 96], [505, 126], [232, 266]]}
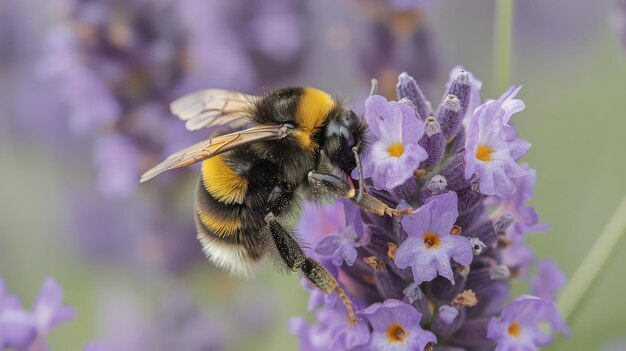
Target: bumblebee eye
{"points": [[346, 137]]}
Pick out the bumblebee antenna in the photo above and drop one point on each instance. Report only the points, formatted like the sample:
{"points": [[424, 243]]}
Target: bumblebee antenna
{"points": [[359, 168], [374, 87]]}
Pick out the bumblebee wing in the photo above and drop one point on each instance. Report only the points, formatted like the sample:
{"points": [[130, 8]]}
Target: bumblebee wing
{"points": [[217, 145], [213, 107]]}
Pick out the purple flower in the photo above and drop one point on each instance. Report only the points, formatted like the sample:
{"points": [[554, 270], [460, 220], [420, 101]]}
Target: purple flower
{"points": [[517, 254], [521, 326], [429, 245], [549, 280], [25, 330], [525, 218], [396, 326], [492, 148], [395, 153], [332, 331], [16, 328], [48, 311], [319, 221], [341, 246]]}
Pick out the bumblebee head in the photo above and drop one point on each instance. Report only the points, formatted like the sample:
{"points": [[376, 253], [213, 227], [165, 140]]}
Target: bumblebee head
{"points": [[343, 131]]}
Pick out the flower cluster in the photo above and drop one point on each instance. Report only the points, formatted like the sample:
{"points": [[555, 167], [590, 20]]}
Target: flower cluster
{"points": [[21, 329], [118, 64], [440, 277]]}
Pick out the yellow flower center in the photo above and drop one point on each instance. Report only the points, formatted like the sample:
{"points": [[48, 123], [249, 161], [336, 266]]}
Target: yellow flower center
{"points": [[396, 333], [484, 153], [514, 329], [396, 150], [431, 240]]}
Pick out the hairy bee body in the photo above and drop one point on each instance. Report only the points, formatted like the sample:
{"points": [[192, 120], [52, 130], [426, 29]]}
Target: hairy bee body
{"points": [[239, 188], [290, 142]]}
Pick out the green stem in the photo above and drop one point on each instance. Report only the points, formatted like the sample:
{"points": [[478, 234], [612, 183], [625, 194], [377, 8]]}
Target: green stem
{"points": [[502, 29], [591, 266]]}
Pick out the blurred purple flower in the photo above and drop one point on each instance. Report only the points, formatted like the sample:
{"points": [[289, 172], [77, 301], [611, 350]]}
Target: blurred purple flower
{"points": [[549, 280], [408, 4], [396, 39], [521, 324], [492, 148], [117, 161], [395, 326], [99, 346], [429, 245], [395, 153], [621, 22], [116, 66], [24, 330], [178, 323]]}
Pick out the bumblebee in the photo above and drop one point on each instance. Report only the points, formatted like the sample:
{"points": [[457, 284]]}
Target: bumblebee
{"points": [[290, 143]]}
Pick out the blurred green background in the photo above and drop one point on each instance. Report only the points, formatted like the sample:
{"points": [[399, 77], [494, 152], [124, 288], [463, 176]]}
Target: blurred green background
{"points": [[574, 78]]}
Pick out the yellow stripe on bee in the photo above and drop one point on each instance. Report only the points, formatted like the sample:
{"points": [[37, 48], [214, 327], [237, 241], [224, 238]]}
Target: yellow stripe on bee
{"points": [[222, 182], [313, 108], [220, 226]]}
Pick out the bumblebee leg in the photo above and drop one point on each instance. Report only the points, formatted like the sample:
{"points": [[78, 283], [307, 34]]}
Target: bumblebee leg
{"points": [[293, 256], [338, 187]]}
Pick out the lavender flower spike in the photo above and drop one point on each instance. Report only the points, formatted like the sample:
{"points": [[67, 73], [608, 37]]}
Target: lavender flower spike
{"points": [[396, 327], [395, 154], [429, 245], [518, 327], [491, 147]]}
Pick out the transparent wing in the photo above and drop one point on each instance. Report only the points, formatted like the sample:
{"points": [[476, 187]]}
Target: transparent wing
{"points": [[213, 107], [218, 145]]}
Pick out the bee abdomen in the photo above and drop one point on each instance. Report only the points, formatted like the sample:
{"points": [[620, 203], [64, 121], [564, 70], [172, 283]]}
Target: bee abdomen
{"points": [[227, 232]]}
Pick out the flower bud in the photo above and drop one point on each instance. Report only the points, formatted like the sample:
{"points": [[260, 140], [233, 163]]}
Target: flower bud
{"points": [[484, 232], [433, 142], [449, 320], [461, 88], [407, 88], [449, 116], [454, 172], [469, 198]]}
